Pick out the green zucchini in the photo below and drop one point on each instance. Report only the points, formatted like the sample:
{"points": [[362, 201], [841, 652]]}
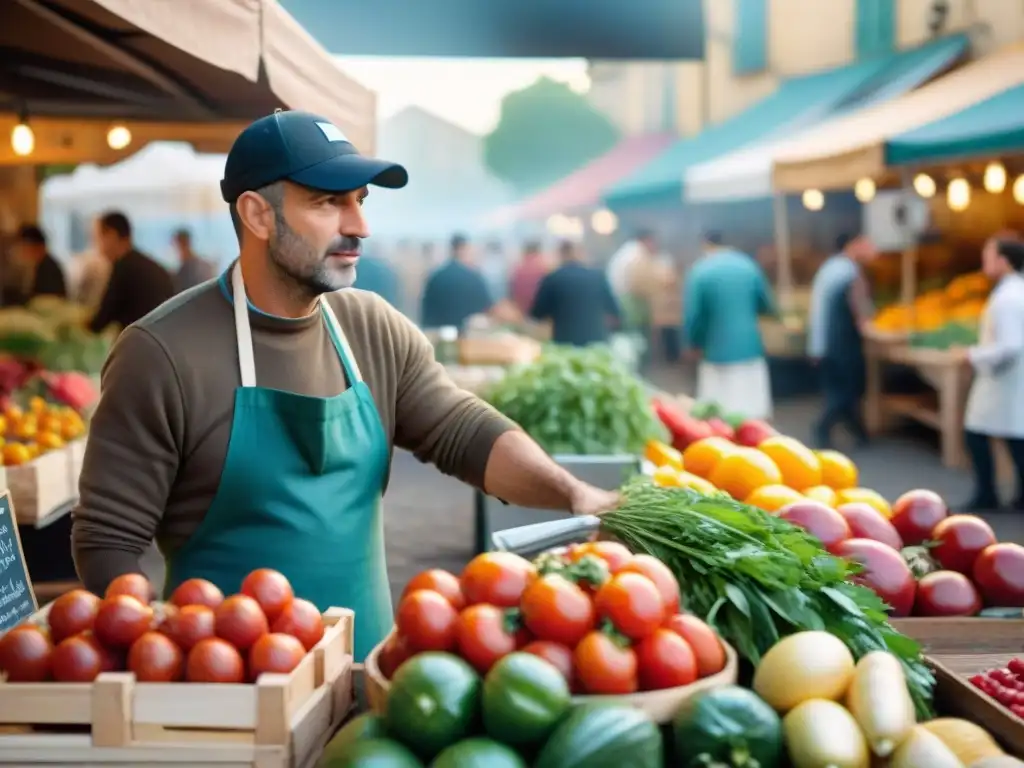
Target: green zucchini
{"points": [[727, 727], [604, 736]]}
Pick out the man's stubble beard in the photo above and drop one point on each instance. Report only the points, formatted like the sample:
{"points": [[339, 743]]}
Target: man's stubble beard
{"points": [[302, 269]]}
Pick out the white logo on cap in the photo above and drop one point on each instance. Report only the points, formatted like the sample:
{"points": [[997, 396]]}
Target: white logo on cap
{"points": [[332, 132]]}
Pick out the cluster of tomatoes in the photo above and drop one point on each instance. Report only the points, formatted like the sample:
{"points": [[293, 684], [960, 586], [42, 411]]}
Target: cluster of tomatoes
{"points": [[1005, 685], [198, 636], [607, 619]]}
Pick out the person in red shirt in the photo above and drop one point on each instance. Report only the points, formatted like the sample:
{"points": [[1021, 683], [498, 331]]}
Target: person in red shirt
{"points": [[527, 276]]}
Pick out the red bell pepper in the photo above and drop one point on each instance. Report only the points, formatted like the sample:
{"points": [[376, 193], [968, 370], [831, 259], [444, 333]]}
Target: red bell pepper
{"points": [[684, 428]]}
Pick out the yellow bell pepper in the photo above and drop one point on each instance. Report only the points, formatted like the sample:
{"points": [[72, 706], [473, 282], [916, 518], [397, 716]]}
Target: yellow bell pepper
{"points": [[663, 455]]}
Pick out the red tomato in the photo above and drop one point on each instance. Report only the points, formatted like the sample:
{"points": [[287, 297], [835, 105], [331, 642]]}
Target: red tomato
{"points": [[444, 583], [665, 660], [240, 621], [72, 614], [555, 654], [961, 538], [275, 653], [632, 603], [603, 667], [483, 636], [497, 578], [270, 589], [188, 625], [612, 552], [214, 661], [916, 513], [819, 520], [556, 609], [301, 619], [197, 592], [946, 593], [884, 571], [111, 660], [660, 574], [154, 658], [76, 660], [427, 621], [25, 655], [866, 522], [999, 574], [721, 429], [703, 641], [393, 655], [121, 620], [134, 585]]}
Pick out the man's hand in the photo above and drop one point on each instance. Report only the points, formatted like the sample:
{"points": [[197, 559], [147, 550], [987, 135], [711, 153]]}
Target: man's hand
{"points": [[588, 500], [960, 355]]}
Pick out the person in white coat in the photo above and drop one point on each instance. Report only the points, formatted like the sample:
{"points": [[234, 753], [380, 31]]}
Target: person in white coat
{"points": [[995, 405]]}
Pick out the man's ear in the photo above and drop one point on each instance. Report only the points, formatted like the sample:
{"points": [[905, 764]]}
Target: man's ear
{"points": [[255, 214]]}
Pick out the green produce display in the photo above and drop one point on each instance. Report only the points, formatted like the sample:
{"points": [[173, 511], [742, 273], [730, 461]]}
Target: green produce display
{"points": [[360, 728], [952, 334], [578, 401], [51, 332], [478, 753], [604, 736], [434, 702], [728, 727], [524, 699], [757, 578], [372, 753]]}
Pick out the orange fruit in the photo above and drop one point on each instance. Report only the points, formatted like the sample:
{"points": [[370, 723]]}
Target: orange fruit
{"points": [[50, 440], [666, 477], [837, 471], [701, 457], [37, 405], [26, 429], [13, 412], [865, 496], [799, 466], [772, 498], [822, 493], [16, 453], [743, 471], [694, 483]]}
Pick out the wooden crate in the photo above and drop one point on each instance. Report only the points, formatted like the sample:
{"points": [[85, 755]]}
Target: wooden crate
{"points": [[76, 454], [965, 635], [282, 721], [41, 486], [498, 350]]}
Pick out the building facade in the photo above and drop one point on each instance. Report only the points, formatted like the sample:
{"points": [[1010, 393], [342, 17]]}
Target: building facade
{"points": [[752, 45]]}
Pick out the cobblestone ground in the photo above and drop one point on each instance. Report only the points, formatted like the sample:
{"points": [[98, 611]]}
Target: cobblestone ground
{"points": [[429, 517]]}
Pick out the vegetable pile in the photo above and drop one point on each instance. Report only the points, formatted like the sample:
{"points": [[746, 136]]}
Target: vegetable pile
{"points": [[608, 620], [199, 636], [577, 401]]}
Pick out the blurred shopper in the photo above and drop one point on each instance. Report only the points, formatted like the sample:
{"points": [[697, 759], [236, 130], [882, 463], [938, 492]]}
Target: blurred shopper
{"points": [[494, 268], [621, 266], [456, 290], [527, 276], [576, 299], [137, 284], [841, 308], [995, 406], [45, 276], [375, 274], [724, 294], [89, 274], [193, 269]]}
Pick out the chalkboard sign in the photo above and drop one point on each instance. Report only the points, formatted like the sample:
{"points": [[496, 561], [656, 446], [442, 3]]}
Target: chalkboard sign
{"points": [[17, 600]]}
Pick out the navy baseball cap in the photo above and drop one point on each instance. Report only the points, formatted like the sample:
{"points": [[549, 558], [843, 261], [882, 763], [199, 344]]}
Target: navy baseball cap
{"points": [[306, 149]]}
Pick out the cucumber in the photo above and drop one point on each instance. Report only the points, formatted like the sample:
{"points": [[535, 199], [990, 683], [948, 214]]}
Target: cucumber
{"points": [[603, 736], [478, 753], [730, 727], [434, 702], [372, 753], [525, 697]]}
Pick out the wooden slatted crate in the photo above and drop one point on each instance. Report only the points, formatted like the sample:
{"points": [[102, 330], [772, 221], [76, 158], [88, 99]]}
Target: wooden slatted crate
{"points": [[41, 486], [281, 721]]}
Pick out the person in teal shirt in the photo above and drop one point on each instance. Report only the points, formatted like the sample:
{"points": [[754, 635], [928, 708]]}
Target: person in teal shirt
{"points": [[456, 290], [723, 297], [374, 274]]}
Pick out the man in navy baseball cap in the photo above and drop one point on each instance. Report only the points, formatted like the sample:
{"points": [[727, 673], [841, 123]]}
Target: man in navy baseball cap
{"points": [[296, 186]]}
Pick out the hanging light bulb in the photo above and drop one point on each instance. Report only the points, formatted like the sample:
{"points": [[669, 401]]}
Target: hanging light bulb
{"points": [[604, 222], [23, 139], [995, 178], [958, 195], [813, 199], [864, 190], [924, 185], [1018, 189], [119, 137]]}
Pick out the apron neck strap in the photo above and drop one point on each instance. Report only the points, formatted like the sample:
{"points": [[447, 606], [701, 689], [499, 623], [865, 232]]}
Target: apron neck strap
{"points": [[243, 332]]}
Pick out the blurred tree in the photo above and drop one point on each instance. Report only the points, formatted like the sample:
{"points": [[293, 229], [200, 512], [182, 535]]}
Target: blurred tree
{"points": [[545, 132]]}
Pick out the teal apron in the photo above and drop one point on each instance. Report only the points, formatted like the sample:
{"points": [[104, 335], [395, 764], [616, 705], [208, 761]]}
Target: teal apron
{"points": [[300, 493]]}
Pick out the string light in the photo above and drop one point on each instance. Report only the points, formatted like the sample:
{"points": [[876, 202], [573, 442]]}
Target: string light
{"points": [[995, 178], [958, 195], [604, 222], [924, 185], [119, 137], [23, 140], [864, 190], [813, 199]]}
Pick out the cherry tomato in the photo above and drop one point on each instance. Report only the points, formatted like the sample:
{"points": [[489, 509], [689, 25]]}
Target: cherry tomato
{"points": [[275, 653], [556, 609], [214, 661], [155, 658], [72, 613], [76, 660], [961, 538], [632, 603], [132, 584], [612, 552], [240, 620], [603, 667], [703, 641], [442, 582], [427, 621], [197, 592], [121, 620], [665, 660], [999, 574], [497, 578], [394, 653], [660, 574], [484, 634], [270, 589], [555, 654], [301, 619], [946, 593]]}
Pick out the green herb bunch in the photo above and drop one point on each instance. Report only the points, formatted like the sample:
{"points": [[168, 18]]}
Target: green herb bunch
{"points": [[578, 401], [757, 578]]}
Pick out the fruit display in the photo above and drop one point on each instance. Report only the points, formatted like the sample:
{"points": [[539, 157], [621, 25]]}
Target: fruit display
{"points": [[40, 426], [608, 620], [942, 317], [1004, 684], [198, 636]]}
